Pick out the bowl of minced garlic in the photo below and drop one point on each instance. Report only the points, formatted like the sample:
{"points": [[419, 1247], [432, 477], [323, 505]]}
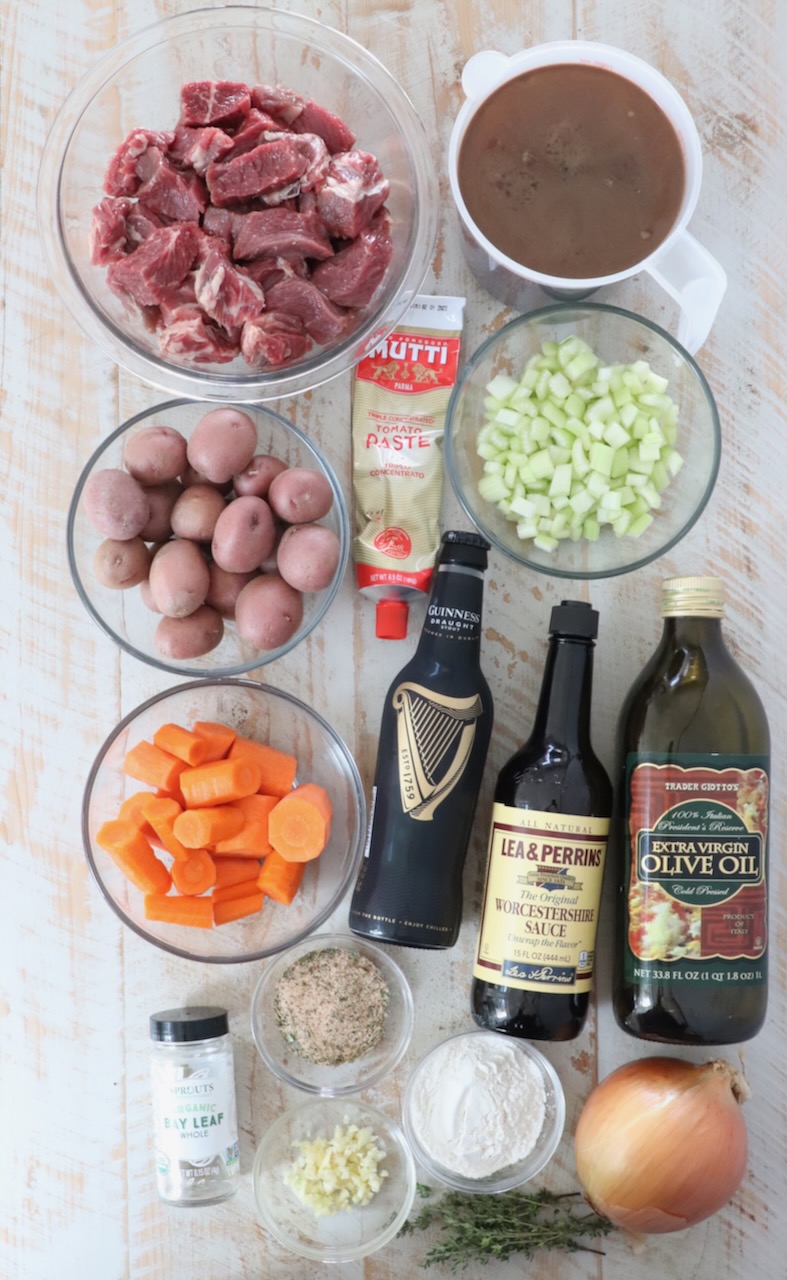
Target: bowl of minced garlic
{"points": [[332, 1015], [334, 1179]]}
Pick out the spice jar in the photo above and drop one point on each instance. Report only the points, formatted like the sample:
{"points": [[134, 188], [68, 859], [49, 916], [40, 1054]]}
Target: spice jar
{"points": [[196, 1127]]}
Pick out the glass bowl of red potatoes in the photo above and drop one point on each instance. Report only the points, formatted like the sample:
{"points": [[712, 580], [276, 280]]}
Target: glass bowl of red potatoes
{"points": [[207, 540], [223, 820], [237, 203]]}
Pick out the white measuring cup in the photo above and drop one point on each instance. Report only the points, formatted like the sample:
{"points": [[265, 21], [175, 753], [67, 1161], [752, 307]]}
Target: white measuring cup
{"points": [[680, 264]]}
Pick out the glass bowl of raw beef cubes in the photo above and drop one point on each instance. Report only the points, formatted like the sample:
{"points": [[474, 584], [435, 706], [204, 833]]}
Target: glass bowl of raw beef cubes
{"points": [[238, 203]]}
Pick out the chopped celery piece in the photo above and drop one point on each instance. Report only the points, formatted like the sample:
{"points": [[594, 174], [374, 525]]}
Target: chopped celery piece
{"points": [[597, 484], [541, 464], [540, 429], [527, 529], [639, 525], [579, 459], [560, 485], [591, 528], [501, 387], [524, 507], [601, 457], [582, 502], [544, 542], [620, 463], [559, 386], [507, 417], [555, 416], [492, 488], [616, 435], [622, 524]]}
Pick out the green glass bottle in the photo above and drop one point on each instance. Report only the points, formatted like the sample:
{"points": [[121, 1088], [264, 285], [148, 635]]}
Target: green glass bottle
{"points": [[691, 835]]}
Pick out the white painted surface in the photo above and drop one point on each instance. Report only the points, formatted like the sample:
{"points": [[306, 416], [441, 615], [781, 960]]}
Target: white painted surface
{"points": [[77, 1192]]}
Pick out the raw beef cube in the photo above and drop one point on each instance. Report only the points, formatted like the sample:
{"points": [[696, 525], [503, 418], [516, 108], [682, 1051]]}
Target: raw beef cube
{"points": [[193, 336], [318, 161], [164, 259], [140, 223], [354, 190], [180, 197], [321, 319], [273, 338], [122, 178], [228, 297], [280, 233], [285, 105], [178, 301], [219, 222], [269, 167], [268, 271], [252, 133], [221, 102], [350, 278], [108, 232], [197, 148], [333, 131]]}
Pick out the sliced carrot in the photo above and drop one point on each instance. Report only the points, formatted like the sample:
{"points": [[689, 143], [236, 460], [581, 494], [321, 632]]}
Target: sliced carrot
{"points": [[224, 912], [252, 839], [277, 768], [130, 851], [231, 871], [131, 810], [183, 743], [197, 828], [300, 825], [161, 814], [243, 889], [148, 763], [219, 738], [177, 910], [280, 879], [220, 782], [196, 874]]}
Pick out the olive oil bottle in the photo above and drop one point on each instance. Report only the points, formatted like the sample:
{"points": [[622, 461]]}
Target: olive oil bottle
{"points": [[691, 835], [550, 820]]}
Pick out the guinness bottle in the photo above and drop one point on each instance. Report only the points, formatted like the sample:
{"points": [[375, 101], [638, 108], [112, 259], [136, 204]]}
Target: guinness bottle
{"points": [[434, 736], [550, 820]]}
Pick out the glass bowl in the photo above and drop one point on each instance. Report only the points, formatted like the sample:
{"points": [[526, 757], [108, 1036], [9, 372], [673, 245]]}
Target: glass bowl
{"points": [[137, 85], [352, 1233], [125, 617], [339, 1080], [271, 716], [617, 337], [512, 1175]]}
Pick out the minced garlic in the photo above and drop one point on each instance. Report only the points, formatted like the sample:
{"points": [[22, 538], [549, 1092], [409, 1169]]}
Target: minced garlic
{"points": [[331, 1174]]}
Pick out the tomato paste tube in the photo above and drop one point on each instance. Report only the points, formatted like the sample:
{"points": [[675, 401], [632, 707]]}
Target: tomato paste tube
{"points": [[400, 399]]}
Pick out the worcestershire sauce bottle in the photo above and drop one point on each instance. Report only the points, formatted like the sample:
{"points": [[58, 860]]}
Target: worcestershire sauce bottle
{"points": [[434, 736], [550, 821], [691, 835]]}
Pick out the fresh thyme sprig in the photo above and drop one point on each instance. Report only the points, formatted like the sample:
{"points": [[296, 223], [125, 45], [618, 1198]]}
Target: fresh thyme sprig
{"points": [[480, 1228]]}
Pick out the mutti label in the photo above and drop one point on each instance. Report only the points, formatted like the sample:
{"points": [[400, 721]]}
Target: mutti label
{"points": [[411, 362]]}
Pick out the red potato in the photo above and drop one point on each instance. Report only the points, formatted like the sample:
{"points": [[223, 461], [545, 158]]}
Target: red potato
{"points": [[120, 564], [308, 556], [116, 505], [196, 512], [300, 495], [257, 477], [179, 578], [222, 444], [147, 598], [162, 499], [244, 536], [268, 612], [155, 454], [225, 588], [192, 476], [189, 637]]}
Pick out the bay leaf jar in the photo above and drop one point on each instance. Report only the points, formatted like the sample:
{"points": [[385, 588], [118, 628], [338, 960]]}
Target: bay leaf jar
{"points": [[196, 1129]]}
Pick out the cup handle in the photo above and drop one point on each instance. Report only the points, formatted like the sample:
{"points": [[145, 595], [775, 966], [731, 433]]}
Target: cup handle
{"points": [[696, 281], [483, 72]]}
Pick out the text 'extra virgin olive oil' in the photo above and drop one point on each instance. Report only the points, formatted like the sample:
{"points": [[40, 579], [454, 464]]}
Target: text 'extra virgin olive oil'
{"points": [[691, 835], [536, 946], [436, 724]]}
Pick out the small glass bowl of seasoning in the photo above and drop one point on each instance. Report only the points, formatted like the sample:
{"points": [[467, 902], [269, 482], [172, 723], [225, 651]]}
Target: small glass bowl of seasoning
{"points": [[332, 1015], [483, 1112]]}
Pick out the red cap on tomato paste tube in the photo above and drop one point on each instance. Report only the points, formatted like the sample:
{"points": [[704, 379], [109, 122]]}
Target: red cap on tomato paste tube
{"points": [[391, 619]]}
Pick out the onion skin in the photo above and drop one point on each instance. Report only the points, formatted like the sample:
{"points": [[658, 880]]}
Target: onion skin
{"points": [[661, 1144]]}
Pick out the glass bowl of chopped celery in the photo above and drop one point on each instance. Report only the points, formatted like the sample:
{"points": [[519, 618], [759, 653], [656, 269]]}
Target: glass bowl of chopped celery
{"points": [[334, 1179], [583, 440], [332, 1015]]}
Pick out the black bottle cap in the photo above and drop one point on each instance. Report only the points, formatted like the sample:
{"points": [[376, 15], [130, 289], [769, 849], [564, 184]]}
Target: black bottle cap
{"points": [[179, 1026], [574, 618], [462, 547]]}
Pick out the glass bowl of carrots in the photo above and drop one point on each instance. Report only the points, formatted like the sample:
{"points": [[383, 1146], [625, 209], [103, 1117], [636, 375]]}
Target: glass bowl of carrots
{"points": [[223, 820]]}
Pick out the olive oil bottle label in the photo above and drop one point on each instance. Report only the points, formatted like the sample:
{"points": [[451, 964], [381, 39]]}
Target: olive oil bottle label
{"points": [[543, 885], [696, 869]]}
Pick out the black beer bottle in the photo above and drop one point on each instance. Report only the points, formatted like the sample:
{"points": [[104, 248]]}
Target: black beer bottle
{"points": [[550, 821], [434, 736]]}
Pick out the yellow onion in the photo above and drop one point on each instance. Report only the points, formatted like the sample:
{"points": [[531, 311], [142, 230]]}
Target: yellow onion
{"points": [[661, 1143]]}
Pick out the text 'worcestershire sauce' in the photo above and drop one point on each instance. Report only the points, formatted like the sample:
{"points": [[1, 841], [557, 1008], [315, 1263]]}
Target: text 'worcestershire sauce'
{"points": [[436, 724], [536, 946]]}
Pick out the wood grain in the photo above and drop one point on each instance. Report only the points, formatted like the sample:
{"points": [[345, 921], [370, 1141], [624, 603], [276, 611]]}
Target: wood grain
{"points": [[76, 988]]}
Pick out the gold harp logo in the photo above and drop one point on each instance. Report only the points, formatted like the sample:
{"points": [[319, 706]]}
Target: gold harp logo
{"points": [[434, 738]]}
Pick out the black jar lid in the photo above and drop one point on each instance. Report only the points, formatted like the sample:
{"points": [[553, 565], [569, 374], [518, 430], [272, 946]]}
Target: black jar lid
{"points": [[574, 618], [179, 1026]]}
